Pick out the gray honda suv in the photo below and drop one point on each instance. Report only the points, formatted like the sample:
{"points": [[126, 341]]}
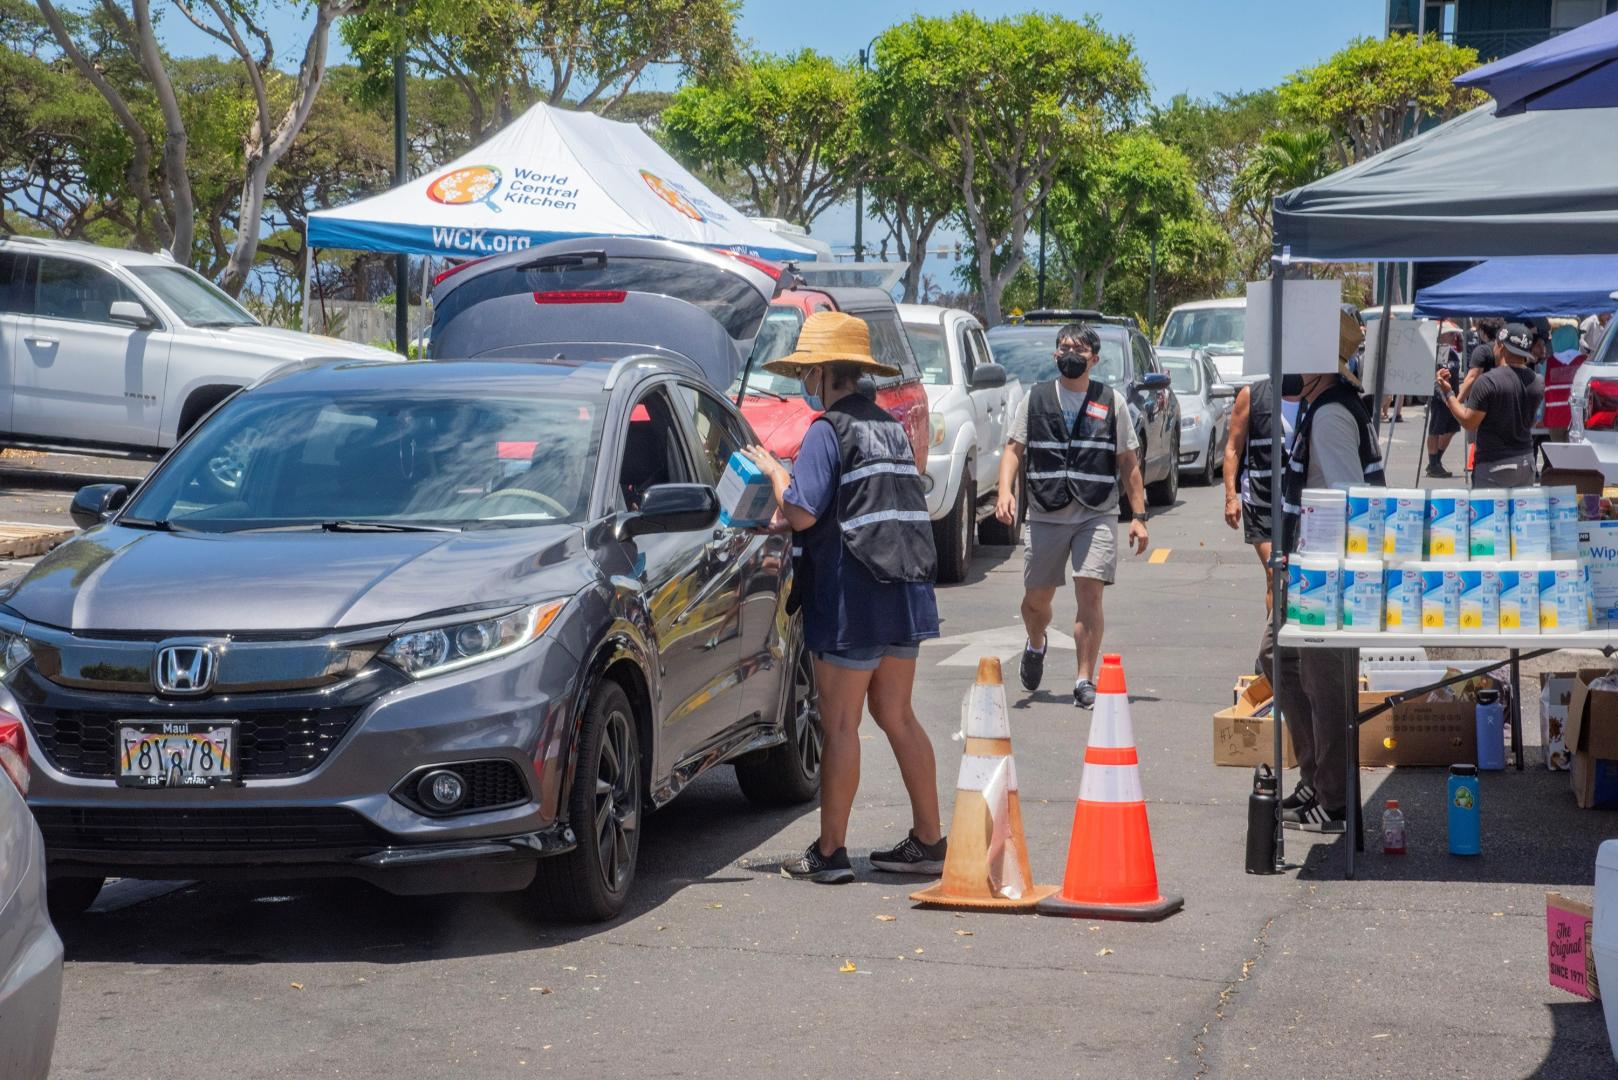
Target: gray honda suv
{"points": [[452, 627]]}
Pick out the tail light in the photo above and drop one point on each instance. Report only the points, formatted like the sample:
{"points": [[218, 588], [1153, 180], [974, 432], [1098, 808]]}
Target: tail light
{"points": [[14, 751], [761, 265], [581, 296], [443, 275], [1601, 405]]}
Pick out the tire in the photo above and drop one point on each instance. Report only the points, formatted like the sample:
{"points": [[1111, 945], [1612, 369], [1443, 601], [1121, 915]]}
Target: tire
{"points": [[789, 774], [953, 535], [1167, 490], [592, 882], [1209, 471], [69, 897]]}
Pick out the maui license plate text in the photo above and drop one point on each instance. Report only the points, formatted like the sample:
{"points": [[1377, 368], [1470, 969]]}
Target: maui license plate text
{"points": [[165, 754]]}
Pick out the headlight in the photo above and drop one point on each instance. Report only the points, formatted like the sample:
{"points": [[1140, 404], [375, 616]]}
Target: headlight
{"points": [[935, 425], [421, 653], [14, 652], [1189, 422]]}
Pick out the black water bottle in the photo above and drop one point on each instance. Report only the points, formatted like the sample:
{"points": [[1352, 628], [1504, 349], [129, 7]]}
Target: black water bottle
{"points": [[1261, 822]]}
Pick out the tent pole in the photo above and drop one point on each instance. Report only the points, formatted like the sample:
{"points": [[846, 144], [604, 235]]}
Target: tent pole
{"points": [[308, 269], [1279, 258], [421, 334], [401, 263], [1381, 379]]}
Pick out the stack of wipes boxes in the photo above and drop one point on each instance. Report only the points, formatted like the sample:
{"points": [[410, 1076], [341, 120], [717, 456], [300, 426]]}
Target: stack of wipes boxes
{"points": [[1452, 561]]}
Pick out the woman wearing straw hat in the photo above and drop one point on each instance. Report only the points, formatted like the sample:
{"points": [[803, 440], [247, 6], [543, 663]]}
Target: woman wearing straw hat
{"points": [[855, 501]]}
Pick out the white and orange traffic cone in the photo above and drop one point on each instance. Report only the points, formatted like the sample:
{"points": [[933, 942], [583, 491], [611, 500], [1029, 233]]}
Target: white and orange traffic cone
{"points": [[1111, 873], [986, 867]]}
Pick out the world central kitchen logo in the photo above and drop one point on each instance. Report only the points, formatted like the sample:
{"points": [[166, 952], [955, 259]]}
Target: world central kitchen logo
{"points": [[486, 184]]}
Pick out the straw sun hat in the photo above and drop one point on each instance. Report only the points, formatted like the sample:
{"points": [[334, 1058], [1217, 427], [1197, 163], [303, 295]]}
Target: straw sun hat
{"points": [[831, 337]]}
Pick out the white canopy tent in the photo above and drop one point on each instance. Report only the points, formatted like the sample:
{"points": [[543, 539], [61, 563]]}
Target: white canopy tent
{"points": [[551, 174]]}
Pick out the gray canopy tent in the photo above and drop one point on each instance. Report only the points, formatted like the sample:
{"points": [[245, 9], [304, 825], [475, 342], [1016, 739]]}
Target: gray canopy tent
{"points": [[1539, 182]]}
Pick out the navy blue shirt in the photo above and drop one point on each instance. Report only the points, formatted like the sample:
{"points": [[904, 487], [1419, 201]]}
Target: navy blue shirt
{"points": [[844, 606]]}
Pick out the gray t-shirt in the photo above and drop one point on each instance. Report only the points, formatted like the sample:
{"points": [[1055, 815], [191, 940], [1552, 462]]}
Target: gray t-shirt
{"points": [[1334, 448], [1071, 402]]}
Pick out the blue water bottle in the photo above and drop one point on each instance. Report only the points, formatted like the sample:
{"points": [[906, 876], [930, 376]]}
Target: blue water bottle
{"points": [[1491, 723], [1465, 834]]}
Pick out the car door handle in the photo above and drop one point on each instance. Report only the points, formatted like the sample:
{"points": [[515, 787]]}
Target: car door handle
{"points": [[42, 342]]}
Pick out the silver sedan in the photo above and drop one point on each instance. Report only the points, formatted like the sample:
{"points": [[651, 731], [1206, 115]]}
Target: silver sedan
{"points": [[30, 951], [1205, 403]]}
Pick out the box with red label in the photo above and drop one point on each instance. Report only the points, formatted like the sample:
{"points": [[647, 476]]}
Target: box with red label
{"points": [[1569, 949]]}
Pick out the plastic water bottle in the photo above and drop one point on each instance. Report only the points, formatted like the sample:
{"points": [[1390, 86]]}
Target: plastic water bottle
{"points": [[1261, 821], [1465, 832], [1491, 724], [1393, 829]]}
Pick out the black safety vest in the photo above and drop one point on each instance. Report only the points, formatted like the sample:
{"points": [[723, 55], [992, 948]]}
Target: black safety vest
{"points": [[881, 506], [1079, 463], [1259, 456], [1297, 474]]}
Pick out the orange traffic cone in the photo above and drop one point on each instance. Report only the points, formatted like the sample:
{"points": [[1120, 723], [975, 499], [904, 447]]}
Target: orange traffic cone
{"points": [[1110, 870], [987, 863]]}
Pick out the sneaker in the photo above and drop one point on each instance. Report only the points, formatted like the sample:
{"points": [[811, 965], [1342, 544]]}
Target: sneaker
{"points": [[1312, 817], [830, 869], [1084, 694], [1439, 472], [912, 856], [1302, 795], [1032, 668]]}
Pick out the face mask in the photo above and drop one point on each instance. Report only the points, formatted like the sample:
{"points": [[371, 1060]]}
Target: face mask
{"points": [[1071, 367], [1291, 385], [812, 400]]}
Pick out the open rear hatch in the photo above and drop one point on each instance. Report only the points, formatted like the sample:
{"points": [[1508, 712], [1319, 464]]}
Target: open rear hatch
{"points": [[702, 304]]}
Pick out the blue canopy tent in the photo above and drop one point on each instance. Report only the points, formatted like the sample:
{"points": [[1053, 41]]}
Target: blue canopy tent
{"points": [[1526, 286], [1575, 70]]}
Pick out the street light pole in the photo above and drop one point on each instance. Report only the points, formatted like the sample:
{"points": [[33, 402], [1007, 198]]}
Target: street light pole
{"points": [[1041, 300], [859, 187], [1151, 287], [401, 261]]}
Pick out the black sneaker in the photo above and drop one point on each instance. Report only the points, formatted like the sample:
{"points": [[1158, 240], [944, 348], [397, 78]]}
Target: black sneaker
{"points": [[1302, 795], [1084, 694], [1312, 817], [912, 856], [830, 869], [1439, 472], [1032, 668]]}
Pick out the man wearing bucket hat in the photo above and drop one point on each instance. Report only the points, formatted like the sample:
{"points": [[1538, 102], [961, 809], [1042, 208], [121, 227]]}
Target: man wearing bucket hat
{"points": [[865, 576], [1079, 443], [1332, 444], [1500, 408]]}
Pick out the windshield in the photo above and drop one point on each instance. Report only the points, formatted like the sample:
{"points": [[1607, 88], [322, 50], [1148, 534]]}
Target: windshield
{"points": [[776, 338], [1193, 329], [932, 353], [195, 299], [1028, 353], [1184, 375], [285, 460]]}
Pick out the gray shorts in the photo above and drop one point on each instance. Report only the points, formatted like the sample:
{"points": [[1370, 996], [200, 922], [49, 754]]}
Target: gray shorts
{"points": [[1090, 546]]}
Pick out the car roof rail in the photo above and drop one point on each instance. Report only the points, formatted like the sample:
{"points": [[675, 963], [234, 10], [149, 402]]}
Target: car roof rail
{"points": [[1067, 315], [666, 361]]}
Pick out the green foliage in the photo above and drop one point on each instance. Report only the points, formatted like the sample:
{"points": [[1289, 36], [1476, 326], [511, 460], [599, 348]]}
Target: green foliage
{"points": [[1283, 160], [785, 124], [1379, 91]]}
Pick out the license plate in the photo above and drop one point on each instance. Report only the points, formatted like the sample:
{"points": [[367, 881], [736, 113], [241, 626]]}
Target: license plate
{"points": [[188, 754]]}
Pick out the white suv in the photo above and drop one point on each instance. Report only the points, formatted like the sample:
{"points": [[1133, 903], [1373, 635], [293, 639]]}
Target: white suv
{"points": [[121, 352], [971, 400], [1593, 404]]}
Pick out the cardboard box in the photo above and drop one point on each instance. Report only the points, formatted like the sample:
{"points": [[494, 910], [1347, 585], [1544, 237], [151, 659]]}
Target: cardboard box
{"points": [[1242, 739], [1555, 692], [1423, 732], [1592, 737], [746, 498], [1569, 950]]}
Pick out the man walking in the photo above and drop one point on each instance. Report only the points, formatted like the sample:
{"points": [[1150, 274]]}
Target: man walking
{"points": [[1441, 426], [1253, 451], [1076, 437], [1500, 409], [1333, 444]]}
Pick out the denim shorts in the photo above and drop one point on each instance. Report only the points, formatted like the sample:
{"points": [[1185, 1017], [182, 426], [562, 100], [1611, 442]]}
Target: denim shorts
{"points": [[868, 657]]}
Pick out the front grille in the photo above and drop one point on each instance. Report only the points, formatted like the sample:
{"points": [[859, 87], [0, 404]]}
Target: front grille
{"points": [[280, 829], [491, 783], [82, 742]]}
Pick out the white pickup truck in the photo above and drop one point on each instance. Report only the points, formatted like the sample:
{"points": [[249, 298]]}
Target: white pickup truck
{"points": [[971, 401], [120, 352]]}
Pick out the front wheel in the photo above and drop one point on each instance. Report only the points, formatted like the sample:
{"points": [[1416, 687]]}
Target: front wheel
{"points": [[1166, 490], [591, 882], [953, 535], [1210, 468], [790, 773]]}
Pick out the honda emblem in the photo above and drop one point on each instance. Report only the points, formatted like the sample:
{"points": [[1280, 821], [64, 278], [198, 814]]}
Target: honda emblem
{"points": [[185, 669]]}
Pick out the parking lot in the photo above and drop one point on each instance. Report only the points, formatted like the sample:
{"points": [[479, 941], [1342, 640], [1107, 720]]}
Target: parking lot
{"points": [[722, 968]]}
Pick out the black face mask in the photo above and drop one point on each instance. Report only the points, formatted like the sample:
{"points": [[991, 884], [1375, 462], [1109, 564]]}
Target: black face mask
{"points": [[1291, 385], [1072, 367]]}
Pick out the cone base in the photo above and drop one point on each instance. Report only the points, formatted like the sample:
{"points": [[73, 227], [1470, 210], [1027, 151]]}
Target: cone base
{"points": [[936, 897], [1161, 908]]}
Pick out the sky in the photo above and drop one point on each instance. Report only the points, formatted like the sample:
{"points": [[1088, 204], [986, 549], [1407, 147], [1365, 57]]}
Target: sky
{"points": [[1198, 47]]}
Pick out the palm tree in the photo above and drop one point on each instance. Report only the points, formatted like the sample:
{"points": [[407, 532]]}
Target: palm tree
{"points": [[1282, 160]]}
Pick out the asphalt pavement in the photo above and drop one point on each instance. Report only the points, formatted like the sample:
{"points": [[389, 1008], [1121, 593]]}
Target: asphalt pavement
{"points": [[1424, 966]]}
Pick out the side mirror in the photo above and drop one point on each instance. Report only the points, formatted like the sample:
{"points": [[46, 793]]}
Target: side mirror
{"points": [[131, 312], [1154, 380], [1221, 390], [988, 376], [671, 508], [94, 504]]}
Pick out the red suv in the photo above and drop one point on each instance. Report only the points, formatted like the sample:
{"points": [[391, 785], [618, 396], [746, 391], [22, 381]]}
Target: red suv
{"points": [[774, 404]]}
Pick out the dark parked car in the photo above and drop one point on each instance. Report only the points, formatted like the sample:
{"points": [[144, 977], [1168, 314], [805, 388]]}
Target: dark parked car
{"points": [[458, 627], [1128, 365]]}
